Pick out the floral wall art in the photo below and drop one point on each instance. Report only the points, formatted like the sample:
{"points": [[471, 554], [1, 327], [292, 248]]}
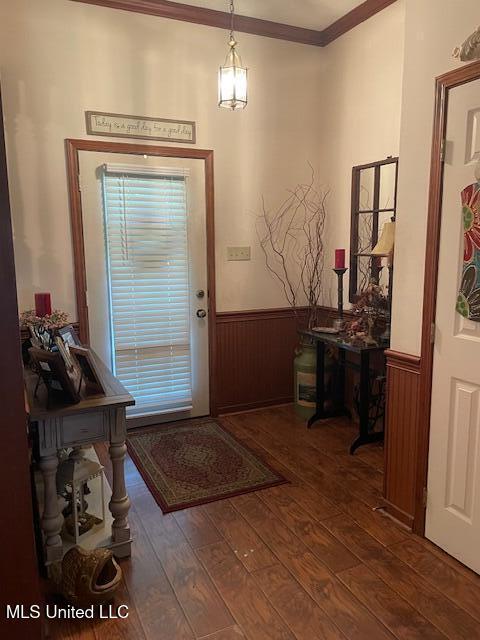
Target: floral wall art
{"points": [[468, 300]]}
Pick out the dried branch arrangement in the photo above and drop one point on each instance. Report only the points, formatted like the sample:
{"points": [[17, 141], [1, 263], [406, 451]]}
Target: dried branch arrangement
{"points": [[292, 240]]}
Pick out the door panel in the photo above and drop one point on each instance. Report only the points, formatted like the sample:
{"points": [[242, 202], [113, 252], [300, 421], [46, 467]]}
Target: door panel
{"points": [[91, 171], [453, 506], [462, 437]]}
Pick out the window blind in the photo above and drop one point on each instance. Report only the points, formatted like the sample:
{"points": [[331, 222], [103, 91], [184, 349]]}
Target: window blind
{"points": [[148, 268]]}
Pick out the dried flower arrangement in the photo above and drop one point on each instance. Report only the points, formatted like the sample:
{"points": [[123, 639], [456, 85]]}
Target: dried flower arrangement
{"points": [[42, 328], [56, 320], [370, 316]]}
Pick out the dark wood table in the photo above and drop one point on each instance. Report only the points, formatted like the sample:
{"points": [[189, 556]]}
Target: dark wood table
{"points": [[322, 340]]}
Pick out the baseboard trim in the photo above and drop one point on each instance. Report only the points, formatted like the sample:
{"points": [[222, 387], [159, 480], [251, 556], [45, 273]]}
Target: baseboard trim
{"points": [[251, 406], [398, 514]]}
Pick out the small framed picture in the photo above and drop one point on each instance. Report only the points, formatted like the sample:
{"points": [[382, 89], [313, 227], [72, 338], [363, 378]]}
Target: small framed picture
{"points": [[64, 350], [52, 370], [69, 336], [88, 369], [40, 337]]}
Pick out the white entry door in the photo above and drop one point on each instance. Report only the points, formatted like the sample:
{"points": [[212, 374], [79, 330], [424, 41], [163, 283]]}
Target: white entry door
{"points": [[146, 261], [453, 504]]}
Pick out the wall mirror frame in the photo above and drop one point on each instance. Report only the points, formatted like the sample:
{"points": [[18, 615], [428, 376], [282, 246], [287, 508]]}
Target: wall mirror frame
{"points": [[374, 202]]}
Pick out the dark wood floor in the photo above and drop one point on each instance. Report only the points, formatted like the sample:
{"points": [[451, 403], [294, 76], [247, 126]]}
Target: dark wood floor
{"points": [[308, 560]]}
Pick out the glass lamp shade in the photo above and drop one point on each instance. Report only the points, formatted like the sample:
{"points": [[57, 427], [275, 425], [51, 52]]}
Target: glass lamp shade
{"points": [[232, 81]]}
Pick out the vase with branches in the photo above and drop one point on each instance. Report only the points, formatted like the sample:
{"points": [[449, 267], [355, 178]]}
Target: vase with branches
{"points": [[292, 240]]}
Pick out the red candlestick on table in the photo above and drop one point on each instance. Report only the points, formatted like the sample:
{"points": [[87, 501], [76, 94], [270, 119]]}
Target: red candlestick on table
{"points": [[43, 304], [339, 258]]}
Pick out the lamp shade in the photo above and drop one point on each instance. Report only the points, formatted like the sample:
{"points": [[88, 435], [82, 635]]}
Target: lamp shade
{"points": [[386, 242], [232, 81]]}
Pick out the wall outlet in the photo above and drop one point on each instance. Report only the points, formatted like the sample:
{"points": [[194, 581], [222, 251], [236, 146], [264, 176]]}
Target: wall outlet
{"points": [[238, 253]]}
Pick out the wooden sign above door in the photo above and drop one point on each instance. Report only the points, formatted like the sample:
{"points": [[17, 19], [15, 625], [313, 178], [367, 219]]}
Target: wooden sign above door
{"points": [[119, 125]]}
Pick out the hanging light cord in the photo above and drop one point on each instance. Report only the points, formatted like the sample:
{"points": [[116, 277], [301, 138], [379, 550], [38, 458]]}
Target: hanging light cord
{"points": [[232, 12]]}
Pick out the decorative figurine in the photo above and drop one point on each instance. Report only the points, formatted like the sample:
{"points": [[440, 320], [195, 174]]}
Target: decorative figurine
{"points": [[470, 49], [89, 577]]}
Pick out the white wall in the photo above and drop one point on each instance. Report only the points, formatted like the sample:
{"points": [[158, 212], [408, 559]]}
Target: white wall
{"points": [[433, 29], [59, 58], [332, 107], [362, 94]]}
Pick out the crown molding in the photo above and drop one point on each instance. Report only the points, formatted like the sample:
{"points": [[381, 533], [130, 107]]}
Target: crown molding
{"points": [[353, 18], [213, 18], [247, 24]]}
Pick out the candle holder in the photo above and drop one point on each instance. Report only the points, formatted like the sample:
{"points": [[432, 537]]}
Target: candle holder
{"points": [[339, 323], [386, 334]]}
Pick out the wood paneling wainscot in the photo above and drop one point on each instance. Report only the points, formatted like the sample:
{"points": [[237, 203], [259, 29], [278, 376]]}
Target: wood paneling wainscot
{"points": [[403, 386], [255, 351], [254, 357]]}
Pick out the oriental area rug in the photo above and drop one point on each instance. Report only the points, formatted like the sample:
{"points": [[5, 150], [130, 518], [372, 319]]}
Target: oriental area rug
{"points": [[194, 462]]}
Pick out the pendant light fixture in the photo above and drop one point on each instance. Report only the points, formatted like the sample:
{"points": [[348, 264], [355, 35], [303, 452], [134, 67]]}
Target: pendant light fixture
{"points": [[232, 77]]}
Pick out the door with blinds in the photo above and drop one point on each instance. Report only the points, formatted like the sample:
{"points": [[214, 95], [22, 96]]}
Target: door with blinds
{"points": [[145, 244]]}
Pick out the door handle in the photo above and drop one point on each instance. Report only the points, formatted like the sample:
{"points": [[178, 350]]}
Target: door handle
{"points": [[201, 313]]}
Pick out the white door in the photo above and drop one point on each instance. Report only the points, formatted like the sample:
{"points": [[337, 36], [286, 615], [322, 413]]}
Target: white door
{"points": [[146, 262], [453, 505]]}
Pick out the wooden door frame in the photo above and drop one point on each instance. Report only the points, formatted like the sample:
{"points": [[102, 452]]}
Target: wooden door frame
{"points": [[73, 147], [20, 576], [444, 84]]}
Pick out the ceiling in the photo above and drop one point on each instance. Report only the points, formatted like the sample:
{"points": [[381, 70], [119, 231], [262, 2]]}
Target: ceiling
{"points": [[310, 14]]}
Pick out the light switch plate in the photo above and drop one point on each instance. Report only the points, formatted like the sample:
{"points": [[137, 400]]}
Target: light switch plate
{"points": [[238, 253]]}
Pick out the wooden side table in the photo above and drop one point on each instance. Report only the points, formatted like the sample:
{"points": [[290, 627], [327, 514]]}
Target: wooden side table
{"points": [[366, 434], [99, 418]]}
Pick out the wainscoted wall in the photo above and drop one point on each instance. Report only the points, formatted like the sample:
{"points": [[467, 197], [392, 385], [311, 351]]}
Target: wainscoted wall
{"points": [[254, 356], [403, 383], [255, 350]]}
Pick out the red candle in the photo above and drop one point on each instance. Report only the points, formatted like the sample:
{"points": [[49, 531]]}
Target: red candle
{"points": [[339, 258], [43, 304]]}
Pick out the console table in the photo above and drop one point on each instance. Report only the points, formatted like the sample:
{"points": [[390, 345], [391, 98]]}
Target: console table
{"points": [[366, 433], [99, 418]]}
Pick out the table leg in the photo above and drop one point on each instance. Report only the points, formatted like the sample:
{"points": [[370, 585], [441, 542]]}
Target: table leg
{"points": [[320, 391], [364, 393], [52, 519], [340, 395], [119, 504], [365, 437]]}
